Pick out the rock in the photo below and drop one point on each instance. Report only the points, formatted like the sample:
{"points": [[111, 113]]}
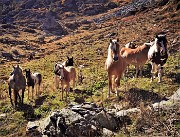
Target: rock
{"points": [[70, 116], [110, 35], [44, 124], [122, 113], [40, 39], [50, 25], [126, 10], [108, 133], [176, 96], [167, 104], [106, 120], [89, 106], [87, 119], [31, 126], [75, 120]]}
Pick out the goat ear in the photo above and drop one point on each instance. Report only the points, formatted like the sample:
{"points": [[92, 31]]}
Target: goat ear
{"points": [[117, 39], [110, 40]]}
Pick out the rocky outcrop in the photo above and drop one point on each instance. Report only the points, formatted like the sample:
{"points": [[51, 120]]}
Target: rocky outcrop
{"points": [[87, 119], [78, 120], [127, 10], [51, 25], [131, 9], [50, 16]]}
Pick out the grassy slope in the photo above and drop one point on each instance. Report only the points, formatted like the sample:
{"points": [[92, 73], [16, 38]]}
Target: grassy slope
{"points": [[84, 48]]}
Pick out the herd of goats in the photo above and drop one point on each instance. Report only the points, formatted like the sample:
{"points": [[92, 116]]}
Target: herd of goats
{"points": [[118, 60]]}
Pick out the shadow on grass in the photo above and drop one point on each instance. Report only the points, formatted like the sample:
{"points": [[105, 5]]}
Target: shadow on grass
{"points": [[146, 72], [39, 101], [175, 77], [28, 112], [81, 95], [28, 109], [136, 96]]}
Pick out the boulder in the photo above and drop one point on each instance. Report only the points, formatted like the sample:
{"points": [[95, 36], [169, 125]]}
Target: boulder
{"points": [[50, 25], [32, 125], [107, 120], [108, 133], [70, 116]]}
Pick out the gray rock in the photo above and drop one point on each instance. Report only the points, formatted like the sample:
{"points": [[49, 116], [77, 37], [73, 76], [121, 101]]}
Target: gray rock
{"points": [[176, 95], [70, 116], [88, 106], [167, 104], [107, 120], [126, 10], [50, 25], [44, 124], [108, 133], [32, 126]]}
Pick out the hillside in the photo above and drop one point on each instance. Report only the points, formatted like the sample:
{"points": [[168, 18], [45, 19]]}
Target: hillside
{"points": [[38, 33]]}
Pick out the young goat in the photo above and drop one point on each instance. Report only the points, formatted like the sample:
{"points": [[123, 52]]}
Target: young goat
{"points": [[68, 62], [66, 75], [33, 80]]}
